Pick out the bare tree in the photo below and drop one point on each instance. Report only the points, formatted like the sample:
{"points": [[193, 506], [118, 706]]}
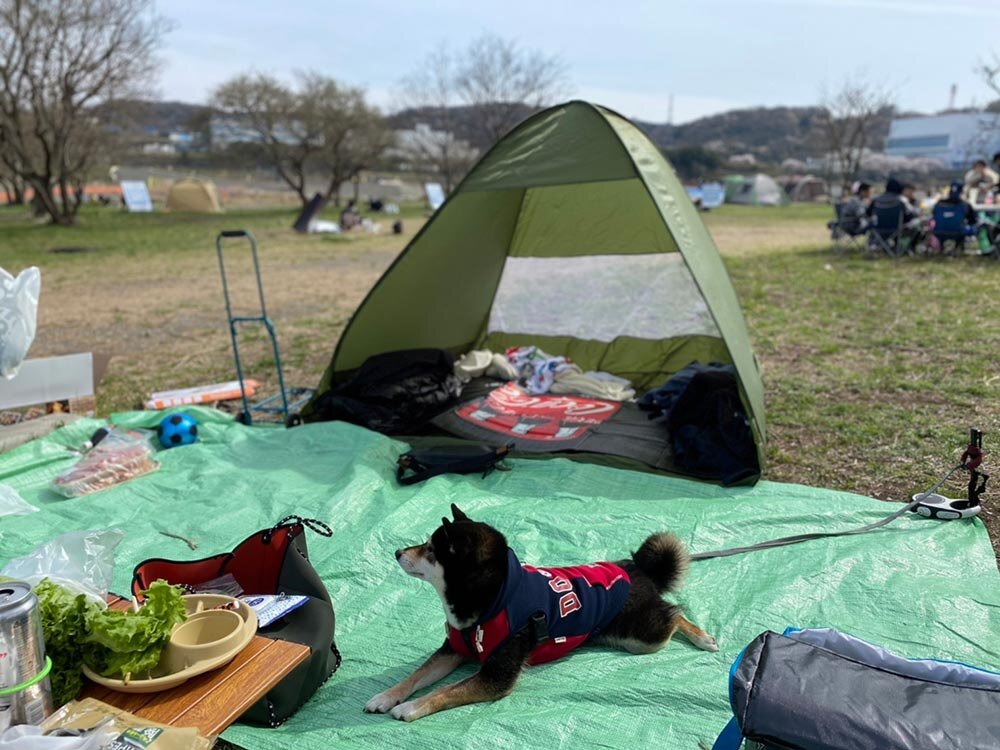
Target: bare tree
{"points": [[272, 111], [477, 96], [990, 72], [499, 80], [317, 127], [11, 181], [434, 147], [354, 134], [59, 59], [851, 114]]}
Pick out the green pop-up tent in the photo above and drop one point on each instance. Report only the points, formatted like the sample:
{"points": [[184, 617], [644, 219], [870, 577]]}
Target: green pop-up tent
{"points": [[574, 234]]}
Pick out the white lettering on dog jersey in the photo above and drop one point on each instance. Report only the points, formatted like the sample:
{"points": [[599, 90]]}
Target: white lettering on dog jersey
{"points": [[560, 585], [569, 603]]}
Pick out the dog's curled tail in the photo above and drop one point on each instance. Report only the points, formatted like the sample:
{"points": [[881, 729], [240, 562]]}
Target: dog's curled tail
{"points": [[664, 560]]}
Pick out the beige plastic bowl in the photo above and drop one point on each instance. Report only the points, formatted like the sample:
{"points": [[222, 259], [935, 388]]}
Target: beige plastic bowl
{"points": [[203, 637], [164, 679]]}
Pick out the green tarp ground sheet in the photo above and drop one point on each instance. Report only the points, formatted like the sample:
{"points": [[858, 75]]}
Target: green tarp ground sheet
{"points": [[919, 587]]}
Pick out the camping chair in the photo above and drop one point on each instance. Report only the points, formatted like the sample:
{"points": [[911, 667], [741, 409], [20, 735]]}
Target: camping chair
{"points": [[846, 232], [950, 226], [886, 233]]}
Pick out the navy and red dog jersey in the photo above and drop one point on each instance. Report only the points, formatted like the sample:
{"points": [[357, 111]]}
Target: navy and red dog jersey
{"points": [[577, 602]]}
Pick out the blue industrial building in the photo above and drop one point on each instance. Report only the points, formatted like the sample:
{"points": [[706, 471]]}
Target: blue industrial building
{"points": [[953, 139]]}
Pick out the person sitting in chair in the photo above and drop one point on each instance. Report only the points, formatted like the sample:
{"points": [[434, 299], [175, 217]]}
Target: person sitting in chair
{"points": [[892, 196], [914, 226], [890, 199], [854, 214], [349, 217], [955, 200], [954, 220], [980, 180]]}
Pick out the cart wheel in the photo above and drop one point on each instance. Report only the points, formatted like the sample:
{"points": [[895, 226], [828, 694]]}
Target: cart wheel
{"points": [[293, 420]]}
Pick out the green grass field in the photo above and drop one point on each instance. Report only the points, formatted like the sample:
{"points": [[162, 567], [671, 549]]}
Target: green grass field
{"points": [[874, 369]]}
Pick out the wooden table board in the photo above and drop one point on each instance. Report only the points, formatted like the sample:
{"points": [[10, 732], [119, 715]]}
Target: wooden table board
{"points": [[212, 701]]}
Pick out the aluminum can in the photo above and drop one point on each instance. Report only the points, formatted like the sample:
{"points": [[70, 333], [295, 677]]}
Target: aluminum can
{"points": [[22, 657]]}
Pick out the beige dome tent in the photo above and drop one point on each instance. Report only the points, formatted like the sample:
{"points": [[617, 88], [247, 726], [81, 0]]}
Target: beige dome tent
{"points": [[808, 189], [197, 196]]}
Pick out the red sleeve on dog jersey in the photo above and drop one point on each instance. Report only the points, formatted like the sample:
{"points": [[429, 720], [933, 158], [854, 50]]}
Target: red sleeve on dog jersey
{"points": [[482, 639]]}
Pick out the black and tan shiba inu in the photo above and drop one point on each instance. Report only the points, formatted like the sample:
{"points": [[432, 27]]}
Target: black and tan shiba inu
{"points": [[504, 614]]}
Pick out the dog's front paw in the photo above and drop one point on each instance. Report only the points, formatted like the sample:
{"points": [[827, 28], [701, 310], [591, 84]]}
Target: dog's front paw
{"points": [[406, 711], [706, 643], [382, 702]]}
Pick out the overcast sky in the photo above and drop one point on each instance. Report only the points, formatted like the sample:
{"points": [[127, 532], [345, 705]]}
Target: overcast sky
{"points": [[630, 55]]}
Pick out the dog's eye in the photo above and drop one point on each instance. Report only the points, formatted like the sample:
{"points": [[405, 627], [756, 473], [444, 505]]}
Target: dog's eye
{"points": [[430, 554]]}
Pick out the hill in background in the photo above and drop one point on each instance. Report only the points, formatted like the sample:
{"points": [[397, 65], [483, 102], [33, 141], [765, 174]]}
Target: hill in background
{"points": [[771, 134]]}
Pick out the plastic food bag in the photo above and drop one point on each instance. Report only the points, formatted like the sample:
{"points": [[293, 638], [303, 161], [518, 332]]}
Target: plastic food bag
{"points": [[12, 504], [28, 737], [128, 730], [81, 561], [18, 310], [122, 455]]}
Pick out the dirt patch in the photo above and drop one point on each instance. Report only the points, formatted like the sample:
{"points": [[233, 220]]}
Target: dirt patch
{"points": [[71, 250]]}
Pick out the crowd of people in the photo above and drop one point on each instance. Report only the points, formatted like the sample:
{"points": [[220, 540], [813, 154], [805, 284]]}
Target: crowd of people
{"points": [[859, 213]]}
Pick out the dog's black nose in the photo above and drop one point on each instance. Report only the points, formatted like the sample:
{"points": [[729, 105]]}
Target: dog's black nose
{"points": [[399, 553]]}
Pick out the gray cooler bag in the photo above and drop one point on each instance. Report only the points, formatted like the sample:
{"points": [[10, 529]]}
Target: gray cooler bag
{"points": [[820, 689]]}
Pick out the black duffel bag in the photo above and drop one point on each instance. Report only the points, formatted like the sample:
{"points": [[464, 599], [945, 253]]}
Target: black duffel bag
{"points": [[395, 393], [272, 561]]}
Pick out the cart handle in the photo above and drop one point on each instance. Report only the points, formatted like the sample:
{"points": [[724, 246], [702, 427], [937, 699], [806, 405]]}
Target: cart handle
{"points": [[233, 233]]}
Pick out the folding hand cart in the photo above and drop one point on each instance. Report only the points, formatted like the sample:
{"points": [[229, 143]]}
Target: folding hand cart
{"points": [[291, 399]]}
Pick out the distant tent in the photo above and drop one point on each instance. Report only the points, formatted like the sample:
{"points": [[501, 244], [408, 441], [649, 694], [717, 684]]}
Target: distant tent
{"points": [[808, 189], [573, 234], [707, 195], [196, 196], [713, 195], [756, 190]]}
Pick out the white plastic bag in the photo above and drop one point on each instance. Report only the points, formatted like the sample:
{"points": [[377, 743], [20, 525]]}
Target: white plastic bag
{"points": [[18, 311], [12, 504], [80, 561]]}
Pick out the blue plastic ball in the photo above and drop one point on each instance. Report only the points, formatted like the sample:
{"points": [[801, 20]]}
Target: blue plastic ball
{"points": [[177, 429]]}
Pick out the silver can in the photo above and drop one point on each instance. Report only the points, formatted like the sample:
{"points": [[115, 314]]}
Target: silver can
{"points": [[22, 657]]}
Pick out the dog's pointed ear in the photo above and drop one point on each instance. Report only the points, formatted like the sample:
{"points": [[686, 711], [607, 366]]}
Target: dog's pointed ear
{"points": [[446, 525], [457, 513]]}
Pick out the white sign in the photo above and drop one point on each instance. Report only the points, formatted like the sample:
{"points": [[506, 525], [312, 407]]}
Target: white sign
{"points": [[136, 196], [435, 195]]}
